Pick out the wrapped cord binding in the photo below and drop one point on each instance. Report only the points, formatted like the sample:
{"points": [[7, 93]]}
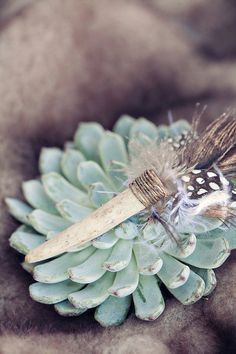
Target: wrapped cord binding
{"points": [[148, 188]]}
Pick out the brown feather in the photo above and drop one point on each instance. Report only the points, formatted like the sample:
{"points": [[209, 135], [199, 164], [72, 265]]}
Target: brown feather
{"points": [[212, 145], [221, 212], [228, 163]]}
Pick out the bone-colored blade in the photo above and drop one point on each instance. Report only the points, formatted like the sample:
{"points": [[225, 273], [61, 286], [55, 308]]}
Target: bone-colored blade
{"points": [[111, 214]]}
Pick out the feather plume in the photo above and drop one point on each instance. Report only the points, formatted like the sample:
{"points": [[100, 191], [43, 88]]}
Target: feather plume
{"points": [[195, 172], [160, 157], [213, 144], [228, 163]]}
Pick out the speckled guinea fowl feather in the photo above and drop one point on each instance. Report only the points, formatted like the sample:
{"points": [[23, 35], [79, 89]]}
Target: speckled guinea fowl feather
{"points": [[199, 160], [210, 160]]}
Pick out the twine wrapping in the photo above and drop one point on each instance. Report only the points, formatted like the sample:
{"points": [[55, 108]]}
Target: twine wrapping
{"points": [[148, 188]]}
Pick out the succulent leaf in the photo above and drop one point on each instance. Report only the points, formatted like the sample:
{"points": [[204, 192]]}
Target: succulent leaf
{"points": [[56, 270], [105, 241], [144, 126], [72, 211], [53, 293], [191, 291], [113, 156], [23, 240], [65, 308], [120, 256], [98, 194], [50, 160], [71, 158], [90, 172], [90, 270], [148, 260], [35, 195], [126, 280], [209, 278], [173, 273], [148, 301], [19, 210], [123, 126], [58, 188], [209, 253], [93, 294], [44, 222], [87, 139], [113, 311]]}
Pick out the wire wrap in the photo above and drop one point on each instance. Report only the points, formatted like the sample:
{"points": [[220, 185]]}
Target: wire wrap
{"points": [[148, 188]]}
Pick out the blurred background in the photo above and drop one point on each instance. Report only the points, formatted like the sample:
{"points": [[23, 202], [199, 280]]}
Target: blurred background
{"points": [[62, 62], [66, 61]]}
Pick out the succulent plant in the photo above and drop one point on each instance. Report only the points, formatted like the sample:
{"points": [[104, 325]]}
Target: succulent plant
{"points": [[130, 263]]}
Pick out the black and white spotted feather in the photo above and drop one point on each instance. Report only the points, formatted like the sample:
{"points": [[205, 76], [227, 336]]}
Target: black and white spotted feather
{"points": [[197, 169]]}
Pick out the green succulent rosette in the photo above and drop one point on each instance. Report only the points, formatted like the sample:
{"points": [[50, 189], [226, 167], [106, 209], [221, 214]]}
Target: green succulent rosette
{"points": [[128, 264]]}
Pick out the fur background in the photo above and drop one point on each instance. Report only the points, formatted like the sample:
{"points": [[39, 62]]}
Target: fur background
{"points": [[62, 62]]}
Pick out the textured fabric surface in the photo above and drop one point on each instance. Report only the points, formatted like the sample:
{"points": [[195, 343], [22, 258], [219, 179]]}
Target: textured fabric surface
{"points": [[62, 62]]}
